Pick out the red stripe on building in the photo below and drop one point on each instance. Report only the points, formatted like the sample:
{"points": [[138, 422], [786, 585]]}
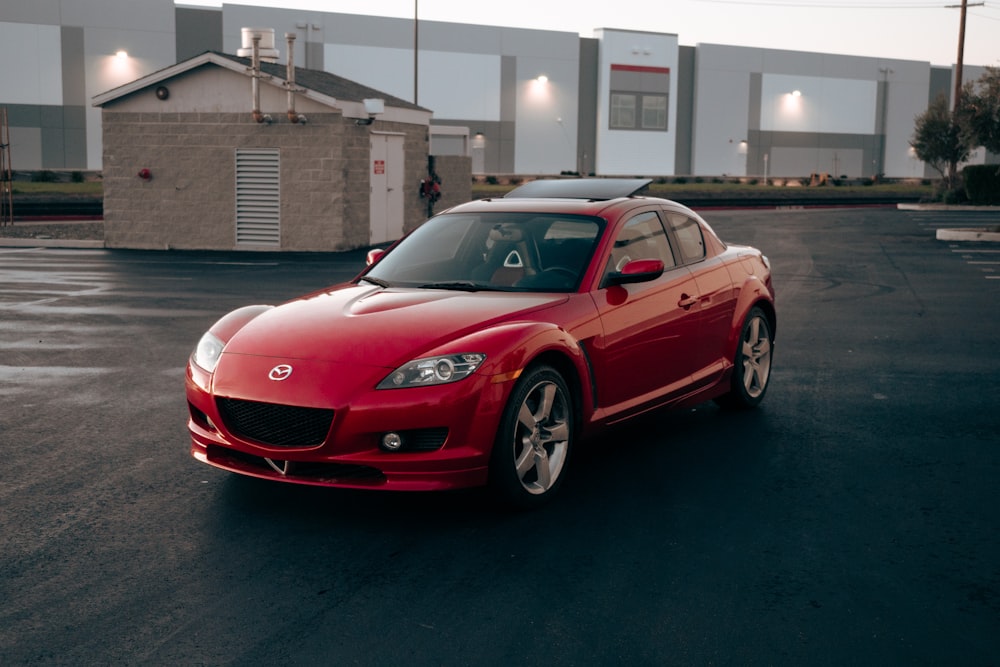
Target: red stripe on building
{"points": [[640, 68]]}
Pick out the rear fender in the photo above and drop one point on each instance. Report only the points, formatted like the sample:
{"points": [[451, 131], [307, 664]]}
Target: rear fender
{"points": [[753, 293]]}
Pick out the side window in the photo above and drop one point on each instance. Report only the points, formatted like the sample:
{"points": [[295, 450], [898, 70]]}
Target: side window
{"points": [[642, 237], [689, 238]]}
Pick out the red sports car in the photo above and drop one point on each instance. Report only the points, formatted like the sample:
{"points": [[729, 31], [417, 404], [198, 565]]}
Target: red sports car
{"points": [[479, 348]]}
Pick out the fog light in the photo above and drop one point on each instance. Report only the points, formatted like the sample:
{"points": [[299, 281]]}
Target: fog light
{"points": [[392, 442]]}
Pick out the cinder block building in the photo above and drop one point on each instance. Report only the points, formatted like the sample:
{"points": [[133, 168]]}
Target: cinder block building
{"points": [[212, 153]]}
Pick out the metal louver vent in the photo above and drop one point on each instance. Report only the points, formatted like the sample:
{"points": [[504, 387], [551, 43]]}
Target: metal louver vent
{"points": [[258, 201]]}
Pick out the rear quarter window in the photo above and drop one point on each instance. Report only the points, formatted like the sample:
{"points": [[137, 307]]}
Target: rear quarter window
{"points": [[689, 237]]}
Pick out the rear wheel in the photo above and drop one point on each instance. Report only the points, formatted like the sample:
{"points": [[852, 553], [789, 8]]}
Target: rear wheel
{"points": [[533, 443], [752, 369]]}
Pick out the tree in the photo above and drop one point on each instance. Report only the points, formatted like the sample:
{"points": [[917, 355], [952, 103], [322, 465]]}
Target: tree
{"points": [[979, 112], [939, 140]]}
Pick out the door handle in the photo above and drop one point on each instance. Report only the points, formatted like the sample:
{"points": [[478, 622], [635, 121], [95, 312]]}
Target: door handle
{"points": [[687, 301]]}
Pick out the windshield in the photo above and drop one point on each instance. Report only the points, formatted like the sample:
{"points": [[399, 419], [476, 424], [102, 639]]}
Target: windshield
{"points": [[521, 252]]}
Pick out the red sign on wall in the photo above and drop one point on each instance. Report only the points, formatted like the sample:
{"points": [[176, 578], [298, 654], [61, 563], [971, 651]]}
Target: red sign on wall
{"points": [[379, 166]]}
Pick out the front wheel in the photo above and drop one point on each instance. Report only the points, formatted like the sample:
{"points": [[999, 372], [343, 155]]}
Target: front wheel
{"points": [[752, 369], [533, 442]]}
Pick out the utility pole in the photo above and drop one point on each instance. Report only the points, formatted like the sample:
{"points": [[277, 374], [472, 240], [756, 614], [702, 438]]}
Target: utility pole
{"points": [[953, 167], [961, 52], [961, 45]]}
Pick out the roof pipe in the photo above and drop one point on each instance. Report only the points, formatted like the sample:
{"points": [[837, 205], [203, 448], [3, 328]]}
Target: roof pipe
{"points": [[290, 81], [255, 82]]}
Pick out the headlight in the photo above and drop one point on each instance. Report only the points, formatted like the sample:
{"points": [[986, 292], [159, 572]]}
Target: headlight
{"points": [[207, 354], [433, 370]]}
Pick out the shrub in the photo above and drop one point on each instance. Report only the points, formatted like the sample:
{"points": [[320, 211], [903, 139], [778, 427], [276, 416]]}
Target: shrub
{"points": [[953, 196], [982, 183], [44, 176]]}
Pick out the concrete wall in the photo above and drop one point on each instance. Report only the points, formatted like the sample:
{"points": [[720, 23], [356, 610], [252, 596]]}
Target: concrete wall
{"points": [[848, 115], [64, 52], [455, 172]]}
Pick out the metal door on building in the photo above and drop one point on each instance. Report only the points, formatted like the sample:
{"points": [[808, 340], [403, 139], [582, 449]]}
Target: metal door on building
{"points": [[386, 210]]}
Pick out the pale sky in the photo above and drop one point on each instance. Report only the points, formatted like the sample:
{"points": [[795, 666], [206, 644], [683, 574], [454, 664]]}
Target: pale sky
{"points": [[923, 30]]}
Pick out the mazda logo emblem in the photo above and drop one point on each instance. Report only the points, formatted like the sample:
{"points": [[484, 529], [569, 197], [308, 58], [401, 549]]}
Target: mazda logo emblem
{"points": [[280, 372]]}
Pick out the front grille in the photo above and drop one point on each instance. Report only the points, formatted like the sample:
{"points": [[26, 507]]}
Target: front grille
{"points": [[275, 425]]}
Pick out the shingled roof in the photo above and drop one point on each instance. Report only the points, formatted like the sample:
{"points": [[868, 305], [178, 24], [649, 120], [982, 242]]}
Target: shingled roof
{"points": [[325, 83]]}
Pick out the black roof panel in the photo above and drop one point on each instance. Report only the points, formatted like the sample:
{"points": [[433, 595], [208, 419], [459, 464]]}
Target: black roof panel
{"points": [[580, 188]]}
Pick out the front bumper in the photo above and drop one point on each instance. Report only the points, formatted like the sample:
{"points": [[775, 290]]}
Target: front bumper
{"points": [[467, 412]]}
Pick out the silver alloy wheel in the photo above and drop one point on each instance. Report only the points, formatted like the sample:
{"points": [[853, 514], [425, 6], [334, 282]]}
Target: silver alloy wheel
{"points": [[756, 355], [541, 437]]}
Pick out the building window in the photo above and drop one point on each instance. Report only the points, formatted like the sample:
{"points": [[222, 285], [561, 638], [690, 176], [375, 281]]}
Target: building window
{"points": [[622, 111], [654, 112], [639, 98]]}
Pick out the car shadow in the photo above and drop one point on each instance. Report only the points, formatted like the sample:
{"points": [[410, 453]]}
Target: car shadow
{"points": [[629, 466]]}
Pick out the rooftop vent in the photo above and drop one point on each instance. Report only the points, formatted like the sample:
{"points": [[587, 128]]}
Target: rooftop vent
{"points": [[267, 51]]}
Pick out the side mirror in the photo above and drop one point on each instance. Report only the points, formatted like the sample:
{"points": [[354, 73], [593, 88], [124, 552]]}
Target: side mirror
{"points": [[636, 271], [374, 255]]}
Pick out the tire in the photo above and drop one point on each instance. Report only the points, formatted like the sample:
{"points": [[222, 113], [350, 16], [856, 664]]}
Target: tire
{"points": [[533, 443], [752, 363]]}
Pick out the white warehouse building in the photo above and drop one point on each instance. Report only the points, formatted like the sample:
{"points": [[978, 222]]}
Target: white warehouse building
{"points": [[527, 102]]}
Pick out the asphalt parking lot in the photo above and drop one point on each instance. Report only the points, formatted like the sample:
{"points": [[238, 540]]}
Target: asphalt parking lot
{"points": [[851, 519]]}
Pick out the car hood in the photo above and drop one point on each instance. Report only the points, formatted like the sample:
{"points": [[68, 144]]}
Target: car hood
{"points": [[375, 326]]}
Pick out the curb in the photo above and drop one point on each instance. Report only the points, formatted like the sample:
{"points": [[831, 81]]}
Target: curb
{"points": [[944, 207], [50, 243], [967, 235]]}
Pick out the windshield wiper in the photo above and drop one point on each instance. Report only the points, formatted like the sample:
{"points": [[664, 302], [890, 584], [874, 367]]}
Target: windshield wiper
{"points": [[375, 281], [462, 285]]}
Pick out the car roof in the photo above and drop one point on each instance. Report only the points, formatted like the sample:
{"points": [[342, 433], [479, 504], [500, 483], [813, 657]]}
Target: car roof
{"points": [[580, 188], [571, 196]]}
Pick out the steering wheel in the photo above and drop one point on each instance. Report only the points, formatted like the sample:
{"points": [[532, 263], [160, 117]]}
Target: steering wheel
{"points": [[568, 274]]}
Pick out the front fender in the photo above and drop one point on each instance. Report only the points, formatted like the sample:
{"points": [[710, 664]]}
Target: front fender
{"points": [[232, 322], [510, 347]]}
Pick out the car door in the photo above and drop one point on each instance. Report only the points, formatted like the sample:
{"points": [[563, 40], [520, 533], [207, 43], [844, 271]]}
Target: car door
{"points": [[648, 327], [716, 297]]}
